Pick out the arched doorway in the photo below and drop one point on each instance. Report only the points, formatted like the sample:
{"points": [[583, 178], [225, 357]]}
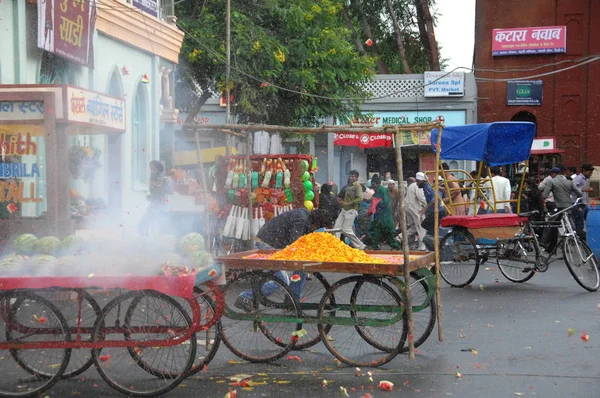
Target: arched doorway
{"points": [[115, 149], [525, 116]]}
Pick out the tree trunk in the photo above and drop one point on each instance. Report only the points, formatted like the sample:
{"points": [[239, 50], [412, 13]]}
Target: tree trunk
{"points": [[381, 66], [425, 18], [193, 112], [350, 25], [399, 38]]}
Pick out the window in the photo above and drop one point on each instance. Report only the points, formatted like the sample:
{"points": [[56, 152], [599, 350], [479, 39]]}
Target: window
{"points": [[140, 137], [56, 70]]}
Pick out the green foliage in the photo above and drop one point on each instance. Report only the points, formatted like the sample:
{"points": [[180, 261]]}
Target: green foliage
{"points": [[302, 46]]}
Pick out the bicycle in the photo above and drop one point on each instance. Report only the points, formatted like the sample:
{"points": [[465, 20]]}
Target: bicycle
{"points": [[519, 258]]}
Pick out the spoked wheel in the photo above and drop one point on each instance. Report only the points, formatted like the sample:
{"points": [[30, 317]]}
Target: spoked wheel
{"points": [[262, 331], [312, 293], [423, 307], [143, 316], [459, 258], [29, 318], [582, 263], [208, 340], [79, 309], [365, 306], [517, 258]]}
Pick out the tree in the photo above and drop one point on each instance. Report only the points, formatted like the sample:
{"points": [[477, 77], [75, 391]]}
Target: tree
{"points": [[400, 33], [292, 63]]}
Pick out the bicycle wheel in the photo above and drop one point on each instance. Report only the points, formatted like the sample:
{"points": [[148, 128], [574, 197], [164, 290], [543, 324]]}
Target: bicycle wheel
{"points": [[29, 318], [135, 316], [581, 262], [368, 305], [261, 332], [517, 258], [459, 258]]}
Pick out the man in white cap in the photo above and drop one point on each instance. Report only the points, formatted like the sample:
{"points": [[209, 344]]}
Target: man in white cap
{"points": [[415, 202]]}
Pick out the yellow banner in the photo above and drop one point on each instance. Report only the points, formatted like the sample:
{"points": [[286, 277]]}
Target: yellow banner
{"points": [[35, 130]]}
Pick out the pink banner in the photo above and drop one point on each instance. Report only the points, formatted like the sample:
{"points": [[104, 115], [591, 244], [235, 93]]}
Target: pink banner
{"points": [[536, 40]]}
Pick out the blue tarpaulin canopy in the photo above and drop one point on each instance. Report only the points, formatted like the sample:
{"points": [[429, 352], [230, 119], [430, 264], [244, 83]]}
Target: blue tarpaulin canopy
{"points": [[496, 143]]}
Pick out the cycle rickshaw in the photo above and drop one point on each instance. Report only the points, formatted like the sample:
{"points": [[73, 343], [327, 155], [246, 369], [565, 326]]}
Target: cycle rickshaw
{"points": [[509, 239]]}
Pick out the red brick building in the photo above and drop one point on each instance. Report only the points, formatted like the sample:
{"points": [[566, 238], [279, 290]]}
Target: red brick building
{"points": [[570, 109]]}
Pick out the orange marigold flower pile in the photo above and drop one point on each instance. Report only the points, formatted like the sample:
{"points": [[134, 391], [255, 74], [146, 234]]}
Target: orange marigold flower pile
{"points": [[323, 246]]}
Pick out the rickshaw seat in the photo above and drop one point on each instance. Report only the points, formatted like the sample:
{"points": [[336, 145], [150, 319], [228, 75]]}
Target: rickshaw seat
{"points": [[484, 221]]}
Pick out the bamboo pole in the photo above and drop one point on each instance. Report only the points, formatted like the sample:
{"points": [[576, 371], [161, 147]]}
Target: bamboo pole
{"points": [[407, 284], [436, 235], [389, 128], [205, 190], [249, 183]]}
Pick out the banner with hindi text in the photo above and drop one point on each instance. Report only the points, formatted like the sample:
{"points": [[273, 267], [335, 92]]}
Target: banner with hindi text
{"points": [[534, 40]]}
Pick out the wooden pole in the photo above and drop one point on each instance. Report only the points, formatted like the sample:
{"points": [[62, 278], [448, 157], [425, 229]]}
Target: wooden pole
{"points": [[436, 234], [205, 191], [407, 284], [389, 128], [249, 183]]}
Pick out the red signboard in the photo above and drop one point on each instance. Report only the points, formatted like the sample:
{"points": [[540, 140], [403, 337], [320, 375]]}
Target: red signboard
{"points": [[66, 28], [523, 41], [363, 140]]}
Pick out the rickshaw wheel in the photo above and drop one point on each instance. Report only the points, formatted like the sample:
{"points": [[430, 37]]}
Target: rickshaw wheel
{"points": [[209, 339], [133, 317], [365, 299], [25, 317], [459, 258], [581, 262], [248, 332], [514, 255]]}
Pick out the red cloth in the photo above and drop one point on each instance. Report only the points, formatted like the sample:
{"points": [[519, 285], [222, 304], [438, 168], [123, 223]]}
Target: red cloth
{"points": [[484, 221], [373, 206]]}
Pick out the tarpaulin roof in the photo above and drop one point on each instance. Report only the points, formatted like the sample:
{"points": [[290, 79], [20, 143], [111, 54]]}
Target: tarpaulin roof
{"points": [[494, 143]]}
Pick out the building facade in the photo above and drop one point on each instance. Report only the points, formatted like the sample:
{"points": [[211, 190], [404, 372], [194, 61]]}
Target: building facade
{"points": [[561, 92], [107, 112]]}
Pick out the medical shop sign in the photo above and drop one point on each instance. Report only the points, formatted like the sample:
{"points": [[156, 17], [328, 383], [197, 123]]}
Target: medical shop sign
{"points": [[523, 41], [66, 28], [95, 109]]}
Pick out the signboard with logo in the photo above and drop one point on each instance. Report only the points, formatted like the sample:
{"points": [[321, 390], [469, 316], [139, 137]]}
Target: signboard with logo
{"points": [[378, 119], [66, 28], [444, 84], [90, 108], [535, 40], [148, 6], [524, 92]]}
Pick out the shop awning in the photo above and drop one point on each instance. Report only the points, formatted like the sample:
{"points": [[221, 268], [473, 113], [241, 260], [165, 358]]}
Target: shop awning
{"points": [[543, 146]]}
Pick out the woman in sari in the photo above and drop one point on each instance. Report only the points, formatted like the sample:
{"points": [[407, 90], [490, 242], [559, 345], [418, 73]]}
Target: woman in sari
{"points": [[382, 228]]}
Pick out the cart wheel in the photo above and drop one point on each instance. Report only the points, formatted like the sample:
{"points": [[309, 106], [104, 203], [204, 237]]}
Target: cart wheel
{"points": [[423, 305], [374, 310], [517, 258], [208, 340], [459, 258], [29, 318], [143, 316], [312, 293], [582, 263], [69, 301], [250, 333]]}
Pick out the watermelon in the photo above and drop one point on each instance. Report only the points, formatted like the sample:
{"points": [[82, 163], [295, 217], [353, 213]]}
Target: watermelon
{"points": [[72, 244], [14, 260], [25, 244], [191, 243], [48, 245], [199, 259], [42, 260]]}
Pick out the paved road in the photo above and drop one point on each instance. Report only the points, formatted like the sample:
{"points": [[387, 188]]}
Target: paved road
{"points": [[518, 331]]}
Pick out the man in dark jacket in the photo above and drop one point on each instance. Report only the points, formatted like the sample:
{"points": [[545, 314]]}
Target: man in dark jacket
{"points": [[277, 233], [329, 203]]}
